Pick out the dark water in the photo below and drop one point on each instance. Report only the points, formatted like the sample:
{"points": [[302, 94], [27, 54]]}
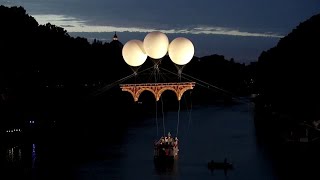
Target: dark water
{"points": [[205, 133]]}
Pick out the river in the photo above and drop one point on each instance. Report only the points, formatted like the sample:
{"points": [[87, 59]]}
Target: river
{"points": [[205, 133]]}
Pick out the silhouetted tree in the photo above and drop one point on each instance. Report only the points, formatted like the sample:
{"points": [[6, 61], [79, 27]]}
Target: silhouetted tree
{"points": [[287, 74]]}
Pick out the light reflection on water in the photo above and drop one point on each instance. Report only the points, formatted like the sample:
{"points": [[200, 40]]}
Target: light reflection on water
{"points": [[213, 133], [14, 155], [18, 156], [34, 155]]}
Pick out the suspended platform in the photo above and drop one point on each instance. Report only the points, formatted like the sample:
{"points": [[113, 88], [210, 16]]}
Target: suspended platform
{"points": [[157, 88], [166, 150]]}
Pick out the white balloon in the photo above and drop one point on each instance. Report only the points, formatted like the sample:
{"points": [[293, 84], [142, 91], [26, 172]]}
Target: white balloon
{"points": [[133, 53], [156, 44], [181, 51]]}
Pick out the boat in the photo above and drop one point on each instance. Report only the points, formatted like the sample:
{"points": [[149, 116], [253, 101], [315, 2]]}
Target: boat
{"points": [[166, 150], [220, 165]]}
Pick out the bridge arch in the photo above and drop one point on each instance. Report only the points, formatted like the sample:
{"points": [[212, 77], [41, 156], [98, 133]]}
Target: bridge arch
{"points": [[141, 90], [166, 89], [157, 89]]}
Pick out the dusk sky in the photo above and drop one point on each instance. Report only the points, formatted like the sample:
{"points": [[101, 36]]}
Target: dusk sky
{"points": [[239, 29]]}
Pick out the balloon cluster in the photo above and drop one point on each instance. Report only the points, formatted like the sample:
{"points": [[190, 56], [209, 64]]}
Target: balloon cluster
{"points": [[156, 45]]}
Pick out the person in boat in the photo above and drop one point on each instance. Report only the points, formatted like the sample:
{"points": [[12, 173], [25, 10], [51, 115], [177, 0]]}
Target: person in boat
{"points": [[170, 139], [166, 140], [175, 151], [176, 141], [167, 146], [161, 141]]}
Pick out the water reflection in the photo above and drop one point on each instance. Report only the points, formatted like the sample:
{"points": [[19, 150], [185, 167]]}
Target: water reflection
{"points": [[19, 155], [33, 155], [225, 171], [167, 168], [14, 155], [216, 133]]}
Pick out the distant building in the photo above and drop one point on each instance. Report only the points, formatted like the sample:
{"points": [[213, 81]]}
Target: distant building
{"points": [[115, 43], [115, 37], [116, 47]]}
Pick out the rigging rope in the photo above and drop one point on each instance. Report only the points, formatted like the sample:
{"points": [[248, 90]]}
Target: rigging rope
{"points": [[208, 85], [109, 86], [188, 110], [164, 127], [189, 123], [155, 79], [158, 76], [157, 119], [178, 120], [179, 75]]}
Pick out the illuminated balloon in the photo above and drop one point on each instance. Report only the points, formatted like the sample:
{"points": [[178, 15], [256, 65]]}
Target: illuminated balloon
{"points": [[181, 51], [133, 53], [156, 44]]}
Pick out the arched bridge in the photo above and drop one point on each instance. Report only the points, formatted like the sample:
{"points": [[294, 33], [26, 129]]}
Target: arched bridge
{"points": [[157, 88]]}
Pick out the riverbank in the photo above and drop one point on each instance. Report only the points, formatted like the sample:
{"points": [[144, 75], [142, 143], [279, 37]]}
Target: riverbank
{"points": [[279, 127]]}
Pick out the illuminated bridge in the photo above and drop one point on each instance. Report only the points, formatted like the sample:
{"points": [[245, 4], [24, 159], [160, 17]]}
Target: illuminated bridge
{"points": [[157, 89]]}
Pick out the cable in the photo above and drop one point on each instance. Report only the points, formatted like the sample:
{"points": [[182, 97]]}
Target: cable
{"points": [[207, 85], [157, 119], [164, 127], [155, 79], [109, 86], [178, 120], [190, 117]]}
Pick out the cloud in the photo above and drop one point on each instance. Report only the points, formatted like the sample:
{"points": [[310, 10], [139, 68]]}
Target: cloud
{"points": [[72, 24], [66, 26], [231, 32]]}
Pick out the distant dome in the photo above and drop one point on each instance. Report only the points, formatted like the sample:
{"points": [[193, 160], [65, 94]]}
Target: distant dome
{"points": [[115, 42], [115, 37]]}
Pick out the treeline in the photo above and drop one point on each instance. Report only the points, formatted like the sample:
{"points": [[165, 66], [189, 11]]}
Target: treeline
{"points": [[50, 76], [36, 57], [287, 75], [39, 57], [220, 78], [45, 73]]}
